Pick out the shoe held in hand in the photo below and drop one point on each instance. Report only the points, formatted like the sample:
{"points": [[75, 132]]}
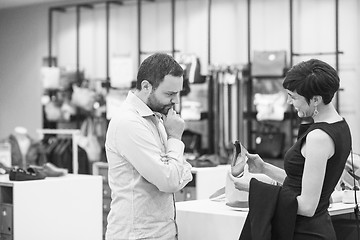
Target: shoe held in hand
{"points": [[238, 160]]}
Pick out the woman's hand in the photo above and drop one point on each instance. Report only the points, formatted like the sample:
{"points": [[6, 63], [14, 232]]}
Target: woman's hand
{"points": [[241, 183], [255, 163]]}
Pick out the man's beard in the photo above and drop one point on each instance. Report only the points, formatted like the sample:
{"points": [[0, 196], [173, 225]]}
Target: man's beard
{"points": [[156, 106]]}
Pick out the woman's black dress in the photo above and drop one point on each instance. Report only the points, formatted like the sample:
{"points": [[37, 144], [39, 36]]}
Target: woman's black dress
{"points": [[319, 226]]}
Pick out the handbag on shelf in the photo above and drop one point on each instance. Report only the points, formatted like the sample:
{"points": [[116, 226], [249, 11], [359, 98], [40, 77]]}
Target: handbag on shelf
{"points": [[83, 98], [270, 142], [268, 63], [271, 106], [69, 77], [89, 141], [52, 111], [50, 77]]}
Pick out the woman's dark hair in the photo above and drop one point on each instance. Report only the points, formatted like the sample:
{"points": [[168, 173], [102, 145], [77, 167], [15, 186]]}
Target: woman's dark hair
{"points": [[156, 67], [313, 78]]}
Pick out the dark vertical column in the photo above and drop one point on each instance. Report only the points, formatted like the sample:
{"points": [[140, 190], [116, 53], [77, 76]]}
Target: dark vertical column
{"points": [[249, 30], [291, 32], [139, 30], [107, 38], [337, 48], [337, 34], [210, 82], [173, 28], [239, 118], [78, 42], [249, 84], [210, 117], [50, 36], [107, 11], [209, 32], [292, 112]]}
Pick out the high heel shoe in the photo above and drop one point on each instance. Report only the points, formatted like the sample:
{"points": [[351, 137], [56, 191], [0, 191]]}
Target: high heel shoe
{"points": [[238, 162]]}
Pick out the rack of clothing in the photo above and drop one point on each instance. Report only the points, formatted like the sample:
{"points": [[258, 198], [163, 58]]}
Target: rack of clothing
{"points": [[228, 94], [74, 133]]}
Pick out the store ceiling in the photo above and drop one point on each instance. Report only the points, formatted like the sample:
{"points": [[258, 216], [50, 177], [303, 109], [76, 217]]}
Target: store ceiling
{"points": [[21, 3]]}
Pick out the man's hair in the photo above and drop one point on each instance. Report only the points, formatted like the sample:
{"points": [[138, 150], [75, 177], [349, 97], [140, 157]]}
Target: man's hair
{"points": [[156, 67], [313, 78]]}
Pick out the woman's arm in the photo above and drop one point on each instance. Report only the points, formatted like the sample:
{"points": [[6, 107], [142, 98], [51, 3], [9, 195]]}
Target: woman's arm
{"points": [[276, 173], [257, 165], [318, 148]]}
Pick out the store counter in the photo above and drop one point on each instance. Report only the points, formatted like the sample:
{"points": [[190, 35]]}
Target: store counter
{"points": [[206, 180], [214, 220], [210, 220], [56, 208]]}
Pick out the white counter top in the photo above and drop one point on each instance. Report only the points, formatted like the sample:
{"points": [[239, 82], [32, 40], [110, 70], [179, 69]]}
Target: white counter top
{"points": [[56, 208], [5, 181], [210, 220], [214, 220], [341, 208]]}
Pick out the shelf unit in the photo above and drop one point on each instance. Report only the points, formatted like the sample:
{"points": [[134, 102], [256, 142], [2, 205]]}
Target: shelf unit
{"points": [[74, 133], [78, 7], [291, 115], [51, 59], [62, 9], [52, 127], [208, 79], [250, 115]]}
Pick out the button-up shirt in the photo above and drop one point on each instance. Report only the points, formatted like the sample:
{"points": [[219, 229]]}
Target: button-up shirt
{"points": [[145, 169]]}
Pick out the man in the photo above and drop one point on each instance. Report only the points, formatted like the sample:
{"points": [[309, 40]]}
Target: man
{"points": [[145, 155]]}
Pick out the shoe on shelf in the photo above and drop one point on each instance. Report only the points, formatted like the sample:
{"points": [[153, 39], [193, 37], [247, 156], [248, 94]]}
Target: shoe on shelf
{"points": [[53, 171], [19, 174], [50, 170], [4, 169]]}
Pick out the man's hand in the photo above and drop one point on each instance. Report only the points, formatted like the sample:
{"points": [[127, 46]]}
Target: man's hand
{"points": [[174, 124]]}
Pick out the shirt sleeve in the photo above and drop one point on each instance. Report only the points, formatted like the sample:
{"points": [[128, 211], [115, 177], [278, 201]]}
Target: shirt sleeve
{"points": [[168, 171]]}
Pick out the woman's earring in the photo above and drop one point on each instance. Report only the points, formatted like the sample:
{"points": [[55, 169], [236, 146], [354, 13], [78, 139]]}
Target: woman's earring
{"points": [[316, 112]]}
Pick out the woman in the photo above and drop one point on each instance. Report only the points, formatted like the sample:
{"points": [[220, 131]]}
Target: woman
{"points": [[314, 164]]}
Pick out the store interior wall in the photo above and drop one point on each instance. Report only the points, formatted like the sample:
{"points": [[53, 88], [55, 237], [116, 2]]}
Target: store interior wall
{"points": [[24, 42]]}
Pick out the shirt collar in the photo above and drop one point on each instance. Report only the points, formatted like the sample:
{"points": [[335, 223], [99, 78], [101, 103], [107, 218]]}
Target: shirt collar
{"points": [[140, 106]]}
